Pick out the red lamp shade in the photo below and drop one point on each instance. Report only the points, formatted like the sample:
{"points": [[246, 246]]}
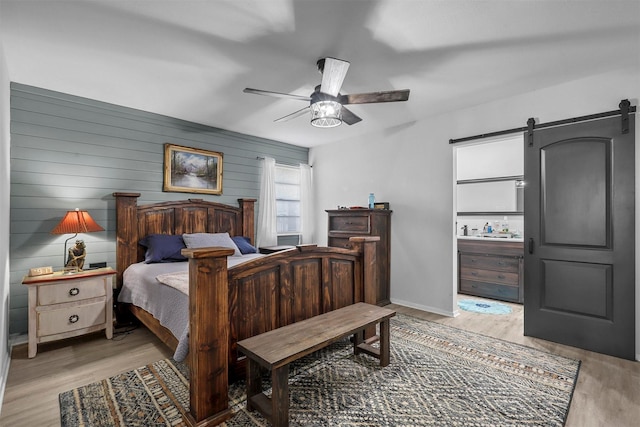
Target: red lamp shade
{"points": [[76, 222]]}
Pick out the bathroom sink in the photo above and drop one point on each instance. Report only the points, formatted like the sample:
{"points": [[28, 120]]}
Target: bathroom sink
{"points": [[497, 235]]}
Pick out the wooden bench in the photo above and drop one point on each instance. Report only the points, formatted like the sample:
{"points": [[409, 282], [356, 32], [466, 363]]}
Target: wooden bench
{"points": [[275, 349]]}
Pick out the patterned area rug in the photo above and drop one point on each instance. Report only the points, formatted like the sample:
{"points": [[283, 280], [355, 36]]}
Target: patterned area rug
{"points": [[438, 376], [486, 307]]}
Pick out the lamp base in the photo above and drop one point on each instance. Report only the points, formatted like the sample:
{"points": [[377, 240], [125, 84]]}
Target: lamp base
{"points": [[71, 270]]}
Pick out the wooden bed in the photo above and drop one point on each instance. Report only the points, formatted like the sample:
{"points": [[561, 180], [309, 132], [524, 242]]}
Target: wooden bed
{"points": [[229, 305]]}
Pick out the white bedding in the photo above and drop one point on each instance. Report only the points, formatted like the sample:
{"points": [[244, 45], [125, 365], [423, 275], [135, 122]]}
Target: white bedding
{"points": [[168, 302]]}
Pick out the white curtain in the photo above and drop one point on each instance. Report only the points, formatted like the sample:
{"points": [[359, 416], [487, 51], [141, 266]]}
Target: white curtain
{"points": [[267, 231], [306, 205]]}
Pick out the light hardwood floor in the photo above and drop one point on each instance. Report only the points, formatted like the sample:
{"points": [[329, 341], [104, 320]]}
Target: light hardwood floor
{"points": [[607, 392]]}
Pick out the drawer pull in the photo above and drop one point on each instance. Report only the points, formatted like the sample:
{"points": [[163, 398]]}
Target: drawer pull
{"points": [[74, 291], [74, 318], [500, 276], [474, 273]]}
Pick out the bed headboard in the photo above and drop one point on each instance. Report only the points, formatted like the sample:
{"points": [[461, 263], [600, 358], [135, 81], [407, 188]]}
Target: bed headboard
{"points": [[133, 222]]}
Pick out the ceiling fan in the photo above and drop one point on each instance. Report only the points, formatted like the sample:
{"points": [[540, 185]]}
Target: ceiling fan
{"points": [[326, 104]]}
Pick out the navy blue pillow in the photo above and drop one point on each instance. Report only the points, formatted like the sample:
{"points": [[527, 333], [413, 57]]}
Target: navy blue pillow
{"points": [[244, 244], [163, 248]]}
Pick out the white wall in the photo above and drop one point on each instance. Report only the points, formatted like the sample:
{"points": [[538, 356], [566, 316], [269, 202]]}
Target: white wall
{"points": [[4, 222], [411, 167]]}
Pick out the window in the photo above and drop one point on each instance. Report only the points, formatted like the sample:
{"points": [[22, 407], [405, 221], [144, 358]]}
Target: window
{"points": [[288, 213]]}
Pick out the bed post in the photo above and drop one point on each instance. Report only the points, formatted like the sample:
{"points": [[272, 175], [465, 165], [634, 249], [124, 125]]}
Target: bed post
{"points": [[248, 218], [208, 336], [126, 232], [367, 246]]}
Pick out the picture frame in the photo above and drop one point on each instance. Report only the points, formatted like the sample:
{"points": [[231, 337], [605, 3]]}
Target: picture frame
{"points": [[192, 170]]}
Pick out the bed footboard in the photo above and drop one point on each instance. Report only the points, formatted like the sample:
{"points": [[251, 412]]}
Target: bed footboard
{"points": [[230, 305]]}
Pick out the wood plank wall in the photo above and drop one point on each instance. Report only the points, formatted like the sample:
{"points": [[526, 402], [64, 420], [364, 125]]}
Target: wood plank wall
{"points": [[70, 152]]}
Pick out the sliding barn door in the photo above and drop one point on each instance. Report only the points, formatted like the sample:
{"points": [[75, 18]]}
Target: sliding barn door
{"points": [[579, 231]]}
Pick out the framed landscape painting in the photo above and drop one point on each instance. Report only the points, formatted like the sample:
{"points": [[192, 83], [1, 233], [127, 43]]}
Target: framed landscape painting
{"points": [[191, 170]]}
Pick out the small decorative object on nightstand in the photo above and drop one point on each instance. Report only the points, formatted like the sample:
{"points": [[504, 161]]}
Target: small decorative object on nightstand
{"points": [[67, 305]]}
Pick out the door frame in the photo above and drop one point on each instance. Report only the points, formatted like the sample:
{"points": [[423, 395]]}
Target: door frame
{"points": [[503, 136]]}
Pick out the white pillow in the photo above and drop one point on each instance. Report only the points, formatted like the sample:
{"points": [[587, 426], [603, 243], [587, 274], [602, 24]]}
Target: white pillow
{"points": [[205, 240]]}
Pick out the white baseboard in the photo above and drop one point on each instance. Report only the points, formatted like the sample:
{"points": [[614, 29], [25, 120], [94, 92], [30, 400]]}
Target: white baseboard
{"points": [[429, 309], [17, 339]]}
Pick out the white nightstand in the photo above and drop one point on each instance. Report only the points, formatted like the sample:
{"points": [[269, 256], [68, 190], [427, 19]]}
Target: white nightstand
{"points": [[67, 305]]}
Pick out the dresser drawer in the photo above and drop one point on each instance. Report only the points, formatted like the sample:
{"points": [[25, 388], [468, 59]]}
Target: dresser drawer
{"points": [[73, 290], [340, 242], [349, 224], [490, 262], [71, 318], [490, 290], [489, 276]]}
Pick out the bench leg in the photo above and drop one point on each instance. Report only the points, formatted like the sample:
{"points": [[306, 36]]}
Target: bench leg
{"points": [[357, 340], [384, 343], [254, 382], [280, 396]]}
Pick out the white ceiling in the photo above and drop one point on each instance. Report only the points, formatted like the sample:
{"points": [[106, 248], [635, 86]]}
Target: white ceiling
{"points": [[191, 59]]}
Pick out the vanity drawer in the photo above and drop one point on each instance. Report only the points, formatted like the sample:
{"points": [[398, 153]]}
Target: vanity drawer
{"points": [[489, 276], [67, 319], [73, 290], [490, 290], [488, 262], [349, 224]]}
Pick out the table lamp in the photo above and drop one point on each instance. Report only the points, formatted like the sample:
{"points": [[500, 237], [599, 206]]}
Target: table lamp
{"points": [[76, 221]]}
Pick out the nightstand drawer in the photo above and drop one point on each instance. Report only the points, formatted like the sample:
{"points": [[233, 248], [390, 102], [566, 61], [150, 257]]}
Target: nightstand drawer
{"points": [[71, 318], [73, 290], [340, 242]]}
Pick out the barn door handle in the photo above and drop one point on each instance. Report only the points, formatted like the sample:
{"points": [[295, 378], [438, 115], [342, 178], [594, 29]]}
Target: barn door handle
{"points": [[530, 245]]}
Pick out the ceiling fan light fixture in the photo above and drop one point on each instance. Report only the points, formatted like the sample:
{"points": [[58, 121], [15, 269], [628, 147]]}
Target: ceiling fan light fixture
{"points": [[326, 114]]}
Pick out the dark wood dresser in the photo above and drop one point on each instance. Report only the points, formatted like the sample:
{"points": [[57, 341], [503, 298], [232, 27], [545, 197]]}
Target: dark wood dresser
{"points": [[345, 223], [491, 268]]}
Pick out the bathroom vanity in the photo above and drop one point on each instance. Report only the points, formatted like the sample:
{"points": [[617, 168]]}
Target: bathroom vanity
{"points": [[491, 267]]}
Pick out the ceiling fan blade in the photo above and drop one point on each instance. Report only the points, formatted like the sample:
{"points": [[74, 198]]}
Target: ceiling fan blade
{"points": [[292, 115], [333, 74], [349, 118], [276, 94], [373, 97]]}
